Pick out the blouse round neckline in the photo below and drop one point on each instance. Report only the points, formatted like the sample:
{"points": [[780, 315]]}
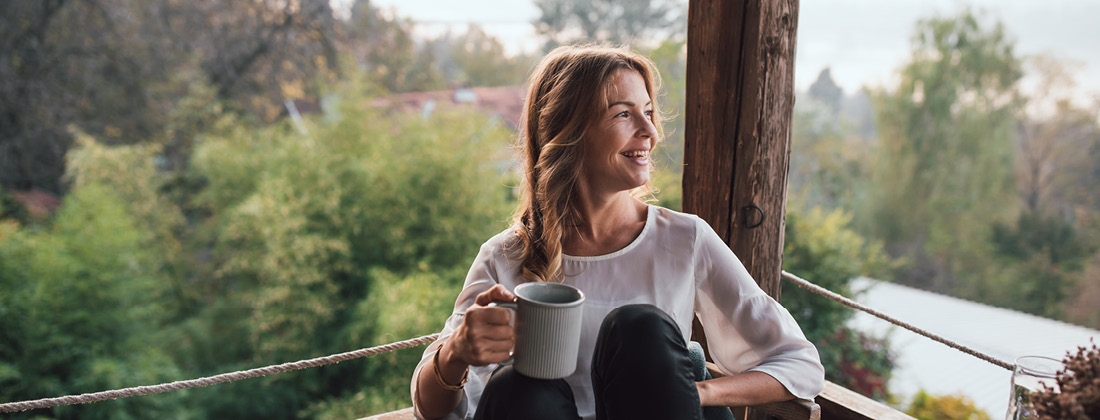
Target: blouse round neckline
{"points": [[650, 210]]}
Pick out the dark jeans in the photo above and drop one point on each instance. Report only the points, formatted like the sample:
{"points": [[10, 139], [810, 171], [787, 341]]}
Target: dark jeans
{"points": [[640, 370]]}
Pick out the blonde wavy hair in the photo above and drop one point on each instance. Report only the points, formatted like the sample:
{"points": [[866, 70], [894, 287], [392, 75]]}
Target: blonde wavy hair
{"points": [[568, 91]]}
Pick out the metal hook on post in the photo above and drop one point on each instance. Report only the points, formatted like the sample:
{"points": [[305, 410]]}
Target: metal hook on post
{"points": [[749, 223]]}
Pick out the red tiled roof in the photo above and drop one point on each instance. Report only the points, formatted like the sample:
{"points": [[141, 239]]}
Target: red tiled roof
{"points": [[37, 203], [503, 101]]}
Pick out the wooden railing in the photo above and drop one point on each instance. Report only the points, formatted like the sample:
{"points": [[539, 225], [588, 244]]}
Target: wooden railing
{"points": [[841, 403], [834, 403]]}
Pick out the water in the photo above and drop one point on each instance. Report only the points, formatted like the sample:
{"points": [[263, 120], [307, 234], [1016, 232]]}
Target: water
{"points": [[1029, 378], [1019, 404]]}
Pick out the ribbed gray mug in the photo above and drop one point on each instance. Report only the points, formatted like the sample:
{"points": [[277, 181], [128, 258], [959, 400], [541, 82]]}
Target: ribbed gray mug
{"points": [[548, 329]]}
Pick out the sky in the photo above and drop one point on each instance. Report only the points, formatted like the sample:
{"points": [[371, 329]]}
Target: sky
{"points": [[864, 42]]}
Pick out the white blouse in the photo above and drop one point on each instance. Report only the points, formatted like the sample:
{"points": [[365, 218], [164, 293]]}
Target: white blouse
{"points": [[679, 265]]}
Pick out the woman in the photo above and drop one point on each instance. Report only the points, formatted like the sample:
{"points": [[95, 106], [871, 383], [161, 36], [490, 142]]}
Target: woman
{"points": [[591, 123]]}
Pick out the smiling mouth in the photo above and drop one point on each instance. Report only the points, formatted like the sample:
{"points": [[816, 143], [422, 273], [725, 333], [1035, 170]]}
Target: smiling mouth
{"points": [[636, 154]]}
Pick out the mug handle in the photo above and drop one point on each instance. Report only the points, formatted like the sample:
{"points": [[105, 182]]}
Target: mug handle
{"points": [[507, 305]]}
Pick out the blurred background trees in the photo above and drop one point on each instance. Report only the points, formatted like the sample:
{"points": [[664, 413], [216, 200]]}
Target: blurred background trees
{"points": [[229, 184], [614, 21], [956, 103], [968, 184]]}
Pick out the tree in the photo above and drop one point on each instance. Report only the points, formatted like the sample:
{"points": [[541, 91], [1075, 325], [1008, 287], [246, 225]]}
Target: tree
{"points": [[81, 311], [119, 69], [475, 58], [427, 299], [299, 230], [828, 165], [1081, 306], [822, 248], [384, 48], [670, 58], [825, 90], [615, 21], [931, 407], [1055, 166], [1046, 257], [945, 153], [63, 62], [1051, 240]]}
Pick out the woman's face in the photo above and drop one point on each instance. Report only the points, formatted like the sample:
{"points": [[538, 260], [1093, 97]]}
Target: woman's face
{"points": [[618, 143]]}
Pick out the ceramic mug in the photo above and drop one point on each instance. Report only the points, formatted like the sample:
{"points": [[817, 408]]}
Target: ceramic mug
{"points": [[548, 329]]}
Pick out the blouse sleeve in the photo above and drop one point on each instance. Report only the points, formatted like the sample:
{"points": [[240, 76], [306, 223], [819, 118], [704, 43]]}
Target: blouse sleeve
{"points": [[746, 329], [482, 277]]}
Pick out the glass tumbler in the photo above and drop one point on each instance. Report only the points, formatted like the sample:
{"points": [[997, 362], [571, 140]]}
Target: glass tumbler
{"points": [[1029, 376]]}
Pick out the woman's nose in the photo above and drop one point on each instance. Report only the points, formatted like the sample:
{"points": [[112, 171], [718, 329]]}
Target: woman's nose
{"points": [[647, 129]]}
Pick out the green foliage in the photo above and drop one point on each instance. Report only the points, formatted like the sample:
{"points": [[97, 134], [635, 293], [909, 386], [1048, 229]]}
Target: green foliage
{"points": [[425, 300], [822, 248], [670, 58], [1081, 305], [1045, 257], [390, 56], [615, 21], [130, 172], [1053, 238], [10, 208], [931, 407], [302, 228], [397, 308], [857, 361], [946, 154], [79, 310], [117, 70], [479, 59], [274, 246], [828, 161], [194, 242]]}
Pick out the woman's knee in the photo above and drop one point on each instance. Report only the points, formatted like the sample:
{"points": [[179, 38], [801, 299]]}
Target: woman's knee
{"points": [[510, 394], [639, 320]]}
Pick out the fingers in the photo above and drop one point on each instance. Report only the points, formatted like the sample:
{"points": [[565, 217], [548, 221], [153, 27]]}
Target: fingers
{"points": [[490, 324], [486, 335], [491, 339], [496, 293], [478, 343], [483, 357], [489, 315]]}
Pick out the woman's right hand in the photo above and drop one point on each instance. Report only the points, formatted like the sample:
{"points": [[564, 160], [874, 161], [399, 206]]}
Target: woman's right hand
{"points": [[486, 335]]}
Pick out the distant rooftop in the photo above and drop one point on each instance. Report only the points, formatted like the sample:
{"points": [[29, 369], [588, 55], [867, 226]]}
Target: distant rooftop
{"points": [[940, 370], [39, 204], [503, 101]]}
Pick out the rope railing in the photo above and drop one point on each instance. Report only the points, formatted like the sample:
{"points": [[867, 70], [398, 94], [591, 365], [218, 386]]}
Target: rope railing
{"points": [[340, 357], [211, 380], [856, 305]]}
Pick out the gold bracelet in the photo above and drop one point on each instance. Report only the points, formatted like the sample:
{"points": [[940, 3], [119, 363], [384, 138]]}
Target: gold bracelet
{"points": [[439, 375]]}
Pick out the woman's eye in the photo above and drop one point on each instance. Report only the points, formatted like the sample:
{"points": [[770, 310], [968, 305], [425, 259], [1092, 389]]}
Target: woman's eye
{"points": [[649, 113], [622, 114]]}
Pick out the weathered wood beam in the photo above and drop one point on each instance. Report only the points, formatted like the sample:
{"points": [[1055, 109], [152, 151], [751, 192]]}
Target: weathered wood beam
{"points": [[740, 97], [737, 139], [840, 403]]}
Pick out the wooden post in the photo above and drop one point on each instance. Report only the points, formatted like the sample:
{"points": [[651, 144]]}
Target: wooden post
{"points": [[740, 97]]}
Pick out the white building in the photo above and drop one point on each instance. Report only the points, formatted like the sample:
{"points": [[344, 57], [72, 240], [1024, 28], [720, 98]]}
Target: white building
{"points": [[922, 363]]}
